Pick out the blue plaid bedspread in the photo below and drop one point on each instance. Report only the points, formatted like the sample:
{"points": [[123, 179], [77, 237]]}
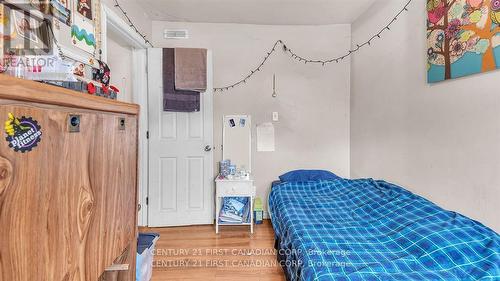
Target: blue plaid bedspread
{"points": [[373, 230]]}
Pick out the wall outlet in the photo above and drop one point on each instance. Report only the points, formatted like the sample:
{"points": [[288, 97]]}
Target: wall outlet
{"points": [[276, 116]]}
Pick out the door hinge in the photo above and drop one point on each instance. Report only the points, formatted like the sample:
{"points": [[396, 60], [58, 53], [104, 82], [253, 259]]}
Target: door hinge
{"points": [[147, 200], [147, 135]]}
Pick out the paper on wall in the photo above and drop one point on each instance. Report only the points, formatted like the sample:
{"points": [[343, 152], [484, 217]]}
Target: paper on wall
{"points": [[82, 34], [265, 137]]}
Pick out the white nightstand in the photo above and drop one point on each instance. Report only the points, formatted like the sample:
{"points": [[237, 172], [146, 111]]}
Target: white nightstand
{"points": [[233, 188]]}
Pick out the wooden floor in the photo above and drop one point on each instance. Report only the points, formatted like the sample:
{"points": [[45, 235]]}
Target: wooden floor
{"points": [[197, 253]]}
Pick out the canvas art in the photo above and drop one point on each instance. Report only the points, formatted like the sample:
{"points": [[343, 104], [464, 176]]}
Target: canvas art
{"points": [[82, 34], [463, 38]]}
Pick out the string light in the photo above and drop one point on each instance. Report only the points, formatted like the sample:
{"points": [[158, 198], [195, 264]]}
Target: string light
{"points": [[131, 24], [324, 62]]}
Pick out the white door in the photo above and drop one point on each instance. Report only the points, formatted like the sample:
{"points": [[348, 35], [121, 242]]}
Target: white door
{"points": [[181, 189]]}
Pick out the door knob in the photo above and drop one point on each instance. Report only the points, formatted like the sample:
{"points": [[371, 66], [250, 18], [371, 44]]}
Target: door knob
{"points": [[208, 148]]}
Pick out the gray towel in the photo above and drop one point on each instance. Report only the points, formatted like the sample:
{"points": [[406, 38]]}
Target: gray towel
{"points": [[191, 69], [173, 100]]}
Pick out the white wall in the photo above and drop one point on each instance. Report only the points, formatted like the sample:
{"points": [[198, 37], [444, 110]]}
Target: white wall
{"points": [[119, 52], [313, 101], [441, 141], [120, 63], [135, 11]]}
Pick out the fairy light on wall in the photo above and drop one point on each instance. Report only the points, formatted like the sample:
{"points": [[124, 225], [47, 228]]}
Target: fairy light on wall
{"points": [[131, 24], [281, 44], [295, 56]]}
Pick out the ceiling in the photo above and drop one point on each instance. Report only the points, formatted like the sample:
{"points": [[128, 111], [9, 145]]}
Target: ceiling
{"points": [[276, 12]]}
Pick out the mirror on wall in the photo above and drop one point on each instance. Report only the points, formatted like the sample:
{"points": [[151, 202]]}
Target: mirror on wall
{"points": [[237, 141]]}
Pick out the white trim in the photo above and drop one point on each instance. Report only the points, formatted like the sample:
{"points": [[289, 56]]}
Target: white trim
{"points": [[140, 96], [110, 21]]}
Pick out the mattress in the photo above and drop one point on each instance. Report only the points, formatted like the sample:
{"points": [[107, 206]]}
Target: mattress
{"points": [[273, 184], [373, 230]]}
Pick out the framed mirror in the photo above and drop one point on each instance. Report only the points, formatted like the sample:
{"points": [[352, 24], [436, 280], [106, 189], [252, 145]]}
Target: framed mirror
{"points": [[237, 141]]}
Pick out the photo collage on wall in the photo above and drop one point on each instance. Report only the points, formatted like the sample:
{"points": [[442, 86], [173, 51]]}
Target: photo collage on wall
{"points": [[54, 41], [33, 31], [60, 9], [22, 33], [27, 21]]}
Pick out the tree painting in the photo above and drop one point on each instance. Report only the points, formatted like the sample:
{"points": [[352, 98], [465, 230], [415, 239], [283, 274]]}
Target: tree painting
{"points": [[463, 38]]}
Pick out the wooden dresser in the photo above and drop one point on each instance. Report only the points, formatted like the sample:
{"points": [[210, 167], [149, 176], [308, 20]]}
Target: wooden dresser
{"points": [[68, 184]]}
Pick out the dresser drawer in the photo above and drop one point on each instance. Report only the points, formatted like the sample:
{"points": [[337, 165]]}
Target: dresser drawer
{"points": [[235, 188]]}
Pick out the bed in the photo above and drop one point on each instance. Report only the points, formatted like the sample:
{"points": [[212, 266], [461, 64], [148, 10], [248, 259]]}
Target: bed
{"points": [[365, 229]]}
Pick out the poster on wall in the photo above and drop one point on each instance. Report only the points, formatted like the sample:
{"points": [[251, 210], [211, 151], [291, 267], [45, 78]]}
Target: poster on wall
{"points": [[23, 34], [42, 5], [60, 10], [84, 8], [25, 26], [82, 34], [65, 3], [463, 38]]}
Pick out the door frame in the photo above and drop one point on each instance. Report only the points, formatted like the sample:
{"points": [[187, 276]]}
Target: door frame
{"points": [[111, 21]]}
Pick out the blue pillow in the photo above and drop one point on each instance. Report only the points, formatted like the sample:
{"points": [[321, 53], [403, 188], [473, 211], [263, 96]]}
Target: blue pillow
{"points": [[308, 175]]}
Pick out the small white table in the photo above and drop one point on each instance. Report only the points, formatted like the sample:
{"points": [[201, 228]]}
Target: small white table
{"points": [[233, 188]]}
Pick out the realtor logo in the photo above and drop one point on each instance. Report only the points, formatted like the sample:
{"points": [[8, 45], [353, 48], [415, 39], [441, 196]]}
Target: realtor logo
{"points": [[23, 134], [24, 30]]}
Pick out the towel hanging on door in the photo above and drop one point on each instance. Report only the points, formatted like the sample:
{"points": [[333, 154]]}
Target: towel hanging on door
{"points": [[191, 69], [176, 100]]}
